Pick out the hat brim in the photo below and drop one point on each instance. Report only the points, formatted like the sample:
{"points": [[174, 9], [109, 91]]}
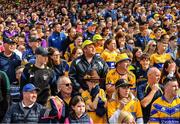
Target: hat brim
{"points": [[87, 45], [124, 85], [35, 89], [124, 60]]}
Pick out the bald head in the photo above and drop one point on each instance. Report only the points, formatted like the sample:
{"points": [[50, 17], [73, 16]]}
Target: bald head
{"points": [[154, 75]]}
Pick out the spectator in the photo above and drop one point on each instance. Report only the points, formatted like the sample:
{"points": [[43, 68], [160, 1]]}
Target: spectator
{"points": [[29, 55], [9, 60], [150, 48], [15, 86], [57, 38], [65, 93], [40, 75], [126, 101], [169, 100], [110, 52], [95, 97], [4, 94], [78, 115], [121, 71], [91, 27], [98, 43], [172, 47], [85, 63], [148, 92], [141, 73], [157, 59], [26, 111]]}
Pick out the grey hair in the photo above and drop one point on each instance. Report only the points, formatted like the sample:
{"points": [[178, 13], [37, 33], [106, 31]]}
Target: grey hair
{"points": [[62, 79]]}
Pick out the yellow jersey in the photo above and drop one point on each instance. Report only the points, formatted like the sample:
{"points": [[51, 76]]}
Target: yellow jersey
{"points": [[113, 76], [133, 106], [165, 112], [109, 57], [88, 100], [158, 60]]}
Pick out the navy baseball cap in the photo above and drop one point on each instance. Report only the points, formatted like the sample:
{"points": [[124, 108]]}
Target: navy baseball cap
{"points": [[41, 51], [29, 87], [8, 41]]}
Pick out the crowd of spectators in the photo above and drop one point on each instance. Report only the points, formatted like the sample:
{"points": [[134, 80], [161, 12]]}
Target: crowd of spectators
{"points": [[90, 61]]}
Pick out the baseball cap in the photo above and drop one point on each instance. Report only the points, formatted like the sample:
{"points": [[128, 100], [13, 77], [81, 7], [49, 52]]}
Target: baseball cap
{"points": [[122, 57], [8, 41], [29, 87], [86, 43], [97, 37], [34, 39], [122, 83], [91, 24], [41, 51]]}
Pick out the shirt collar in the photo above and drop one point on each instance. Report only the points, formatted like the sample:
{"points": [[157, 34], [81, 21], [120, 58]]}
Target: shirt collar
{"points": [[30, 106]]}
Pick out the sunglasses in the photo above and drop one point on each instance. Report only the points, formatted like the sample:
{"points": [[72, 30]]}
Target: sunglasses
{"points": [[154, 45], [67, 85]]}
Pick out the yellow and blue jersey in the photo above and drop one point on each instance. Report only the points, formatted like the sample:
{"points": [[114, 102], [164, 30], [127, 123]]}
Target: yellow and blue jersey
{"points": [[109, 57], [158, 60], [113, 76], [165, 112], [88, 100], [99, 49], [134, 107]]}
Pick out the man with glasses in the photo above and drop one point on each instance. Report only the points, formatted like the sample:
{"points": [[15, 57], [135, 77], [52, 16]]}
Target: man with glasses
{"points": [[64, 87], [166, 109]]}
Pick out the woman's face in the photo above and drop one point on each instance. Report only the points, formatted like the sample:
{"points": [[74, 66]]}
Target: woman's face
{"points": [[78, 53], [112, 45], [79, 108], [56, 57], [124, 91], [78, 41], [138, 53], [121, 41]]}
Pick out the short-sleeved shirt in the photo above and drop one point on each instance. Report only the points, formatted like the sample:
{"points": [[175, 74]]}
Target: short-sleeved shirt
{"points": [[113, 76], [164, 112]]}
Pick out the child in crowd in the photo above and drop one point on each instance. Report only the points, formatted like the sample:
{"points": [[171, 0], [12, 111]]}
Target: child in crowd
{"points": [[78, 113]]}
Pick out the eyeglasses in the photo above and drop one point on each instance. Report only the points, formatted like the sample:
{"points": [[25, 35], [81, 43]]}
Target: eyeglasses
{"points": [[67, 85]]}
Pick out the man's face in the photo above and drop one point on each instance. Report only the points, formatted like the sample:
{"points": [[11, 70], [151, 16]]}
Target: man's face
{"points": [[73, 33], [155, 76], [124, 64], [42, 60], [172, 88], [9, 47], [58, 28], [34, 44], [30, 97], [65, 87], [145, 63], [162, 46], [90, 50]]}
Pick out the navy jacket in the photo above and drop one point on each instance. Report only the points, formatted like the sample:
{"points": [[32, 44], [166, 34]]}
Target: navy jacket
{"points": [[8, 65], [17, 114]]}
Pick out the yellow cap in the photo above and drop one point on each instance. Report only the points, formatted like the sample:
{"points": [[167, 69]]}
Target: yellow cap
{"points": [[122, 57], [86, 42], [156, 15], [97, 37]]}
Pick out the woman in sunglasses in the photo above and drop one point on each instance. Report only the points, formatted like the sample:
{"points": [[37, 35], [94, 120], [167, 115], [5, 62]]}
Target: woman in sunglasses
{"points": [[150, 48]]}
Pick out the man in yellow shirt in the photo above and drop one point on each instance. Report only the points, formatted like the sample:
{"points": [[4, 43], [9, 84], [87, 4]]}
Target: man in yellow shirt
{"points": [[120, 72], [166, 109]]}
